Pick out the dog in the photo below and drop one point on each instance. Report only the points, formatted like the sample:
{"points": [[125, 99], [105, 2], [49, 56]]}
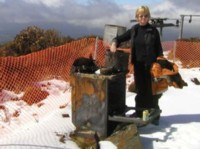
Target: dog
{"points": [[163, 68], [84, 65]]}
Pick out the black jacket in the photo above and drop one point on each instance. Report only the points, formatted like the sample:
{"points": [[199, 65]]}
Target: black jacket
{"points": [[145, 43]]}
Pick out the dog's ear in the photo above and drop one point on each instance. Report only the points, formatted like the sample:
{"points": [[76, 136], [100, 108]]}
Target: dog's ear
{"points": [[164, 63]]}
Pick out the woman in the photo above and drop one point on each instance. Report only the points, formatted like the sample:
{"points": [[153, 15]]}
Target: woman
{"points": [[145, 49]]}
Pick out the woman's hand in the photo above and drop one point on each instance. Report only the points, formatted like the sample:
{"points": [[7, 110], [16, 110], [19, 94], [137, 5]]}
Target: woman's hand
{"points": [[113, 47]]}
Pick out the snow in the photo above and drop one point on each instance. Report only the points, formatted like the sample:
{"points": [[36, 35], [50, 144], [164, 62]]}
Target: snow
{"points": [[43, 126], [180, 122]]}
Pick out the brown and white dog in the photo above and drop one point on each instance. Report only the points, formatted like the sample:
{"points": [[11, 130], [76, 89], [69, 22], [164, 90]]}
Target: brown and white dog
{"points": [[163, 68]]}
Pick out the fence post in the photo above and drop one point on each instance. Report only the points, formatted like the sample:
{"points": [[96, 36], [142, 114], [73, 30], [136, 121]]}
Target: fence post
{"points": [[174, 51]]}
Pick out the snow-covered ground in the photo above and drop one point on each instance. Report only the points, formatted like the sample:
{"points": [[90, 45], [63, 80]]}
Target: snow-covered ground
{"points": [[180, 122], [46, 126]]}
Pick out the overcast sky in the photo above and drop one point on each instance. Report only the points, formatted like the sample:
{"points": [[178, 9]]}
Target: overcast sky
{"points": [[77, 18]]}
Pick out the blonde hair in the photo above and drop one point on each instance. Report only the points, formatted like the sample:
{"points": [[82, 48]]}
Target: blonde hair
{"points": [[144, 10]]}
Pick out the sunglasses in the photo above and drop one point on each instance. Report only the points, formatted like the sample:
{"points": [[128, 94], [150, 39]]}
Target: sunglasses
{"points": [[143, 16]]}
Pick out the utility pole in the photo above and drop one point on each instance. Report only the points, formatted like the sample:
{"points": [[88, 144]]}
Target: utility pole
{"points": [[182, 21]]}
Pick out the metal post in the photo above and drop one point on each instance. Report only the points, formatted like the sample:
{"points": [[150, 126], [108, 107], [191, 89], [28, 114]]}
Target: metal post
{"points": [[182, 21], [174, 51], [95, 49], [181, 29]]}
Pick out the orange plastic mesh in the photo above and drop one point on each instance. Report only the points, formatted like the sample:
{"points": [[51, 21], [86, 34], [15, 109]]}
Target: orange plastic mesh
{"points": [[188, 53], [17, 73], [22, 74]]}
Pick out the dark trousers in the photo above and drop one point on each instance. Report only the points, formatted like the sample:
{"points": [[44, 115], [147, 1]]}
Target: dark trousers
{"points": [[143, 82]]}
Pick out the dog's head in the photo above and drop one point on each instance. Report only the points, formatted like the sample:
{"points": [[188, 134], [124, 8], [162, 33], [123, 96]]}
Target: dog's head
{"points": [[163, 68], [177, 81], [156, 70]]}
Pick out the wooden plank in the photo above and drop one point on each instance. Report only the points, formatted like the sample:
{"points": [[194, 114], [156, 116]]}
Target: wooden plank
{"points": [[136, 120]]}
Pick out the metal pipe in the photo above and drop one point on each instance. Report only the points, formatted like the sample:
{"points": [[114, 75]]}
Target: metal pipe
{"points": [[181, 29]]}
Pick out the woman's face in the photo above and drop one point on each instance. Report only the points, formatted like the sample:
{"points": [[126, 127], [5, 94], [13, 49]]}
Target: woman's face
{"points": [[143, 19]]}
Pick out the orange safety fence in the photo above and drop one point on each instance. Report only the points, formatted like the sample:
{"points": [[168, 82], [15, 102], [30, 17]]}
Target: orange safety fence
{"points": [[188, 53], [21, 74], [17, 73]]}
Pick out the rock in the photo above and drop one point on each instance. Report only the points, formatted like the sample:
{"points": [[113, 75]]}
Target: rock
{"points": [[126, 137]]}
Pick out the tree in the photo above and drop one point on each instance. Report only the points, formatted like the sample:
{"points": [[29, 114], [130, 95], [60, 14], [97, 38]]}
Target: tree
{"points": [[33, 39], [26, 41]]}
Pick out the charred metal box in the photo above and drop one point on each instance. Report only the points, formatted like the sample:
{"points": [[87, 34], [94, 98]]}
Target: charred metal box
{"points": [[96, 97]]}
